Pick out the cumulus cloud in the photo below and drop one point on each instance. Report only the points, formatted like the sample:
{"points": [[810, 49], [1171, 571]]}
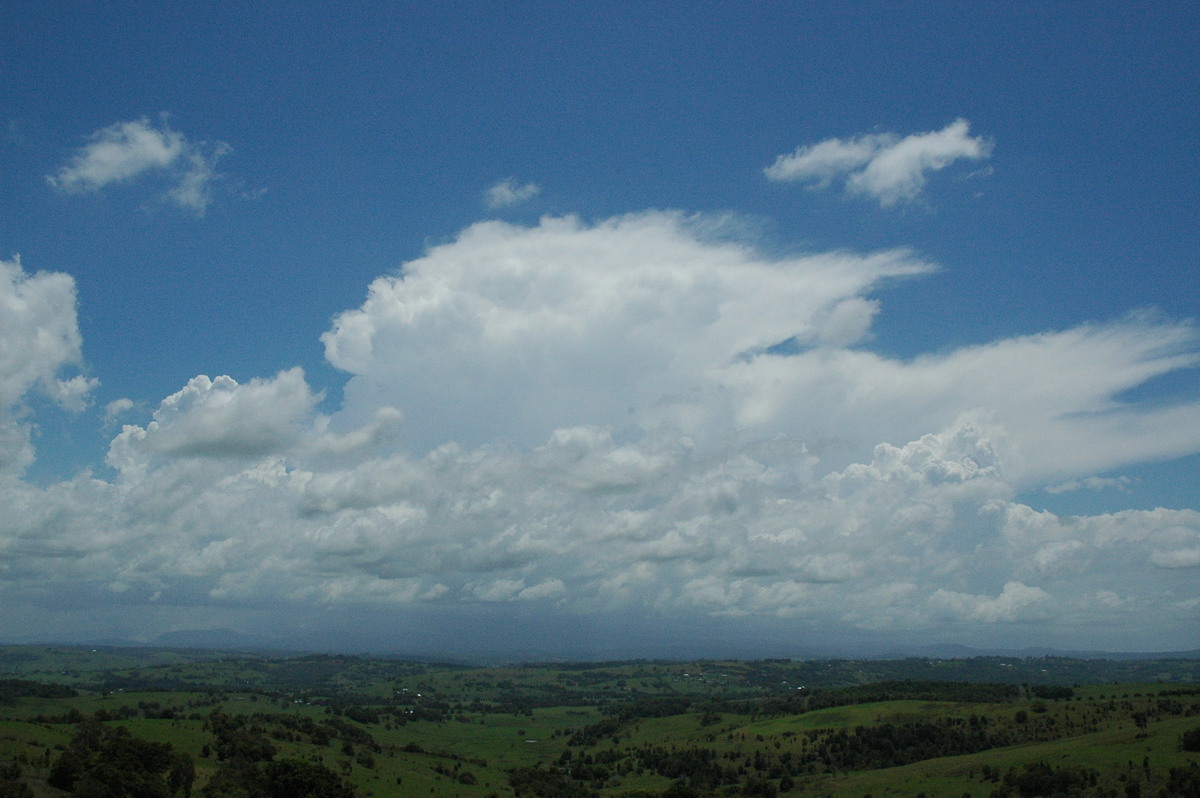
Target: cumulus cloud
{"points": [[40, 334], [220, 418], [509, 192], [883, 166], [909, 539], [39, 340], [1178, 558], [117, 408], [126, 151], [1016, 602], [603, 418]]}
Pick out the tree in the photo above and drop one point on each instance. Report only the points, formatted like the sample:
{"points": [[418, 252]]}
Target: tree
{"points": [[10, 784], [107, 762], [181, 775], [285, 778], [298, 778]]}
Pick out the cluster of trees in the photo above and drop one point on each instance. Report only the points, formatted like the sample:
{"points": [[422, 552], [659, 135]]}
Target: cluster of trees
{"points": [[11, 785], [284, 778], [1039, 778], [12, 689], [108, 762], [817, 751], [544, 782], [265, 726], [890, 745], [1184, 782], [706, 770], [104, 761], [699, 768], [830, 750], [249, 768], [805, 700]]}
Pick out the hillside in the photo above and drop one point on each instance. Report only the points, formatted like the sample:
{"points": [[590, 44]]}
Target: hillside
{"points": [[251, 725]]}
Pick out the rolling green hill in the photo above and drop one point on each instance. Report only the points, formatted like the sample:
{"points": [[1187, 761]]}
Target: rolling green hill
{"points": [[221, 725]]}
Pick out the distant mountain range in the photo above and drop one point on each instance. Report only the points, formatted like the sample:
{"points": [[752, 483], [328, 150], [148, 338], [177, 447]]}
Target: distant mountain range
{"points": [[221, 639], [232, 641], [952, 651]]}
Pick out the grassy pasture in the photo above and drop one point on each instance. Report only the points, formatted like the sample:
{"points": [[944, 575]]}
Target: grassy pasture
{"points": [[396, 728]]}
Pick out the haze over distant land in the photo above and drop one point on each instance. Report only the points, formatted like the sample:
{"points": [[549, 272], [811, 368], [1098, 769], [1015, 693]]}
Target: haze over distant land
{"points": [[601, 332]]}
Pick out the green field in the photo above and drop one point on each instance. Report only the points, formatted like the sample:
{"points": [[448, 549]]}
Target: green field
{"points": [[380, 727]]}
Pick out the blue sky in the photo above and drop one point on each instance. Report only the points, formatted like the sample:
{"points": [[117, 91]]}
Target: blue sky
{"points": [[757, 326]]}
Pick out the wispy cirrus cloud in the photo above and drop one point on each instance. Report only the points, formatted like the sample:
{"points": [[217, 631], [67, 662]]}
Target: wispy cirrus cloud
{"points": [[126, 151], [1091, 483], [882, 166]]}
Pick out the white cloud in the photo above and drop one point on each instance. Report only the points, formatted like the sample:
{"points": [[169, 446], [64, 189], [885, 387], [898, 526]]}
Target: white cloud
{"points": [[1060, 555], [1178, 558], [220, 418], [119, 153], [39, 339], [904, 541], [645, 321], [826, 160], [117, 408], [193, 187], [509, 192], [517, 590], [884, 166], [636, 320], [73, 393], [39, 332], [1016, 602], [126, 151], [1091, 483], [587, 419]]}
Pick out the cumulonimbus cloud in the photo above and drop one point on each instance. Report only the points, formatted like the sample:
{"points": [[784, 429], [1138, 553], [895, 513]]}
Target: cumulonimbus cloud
{"points": [[884, 166], [125, 151], [515, 331], [643, 321], [592, 418]]}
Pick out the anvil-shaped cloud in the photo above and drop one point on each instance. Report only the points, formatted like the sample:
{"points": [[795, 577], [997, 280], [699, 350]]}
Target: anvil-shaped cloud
{"points": [[644, 416]]}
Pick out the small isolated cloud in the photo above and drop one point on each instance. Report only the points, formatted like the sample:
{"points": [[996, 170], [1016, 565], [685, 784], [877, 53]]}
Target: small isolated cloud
{"points": [[509, 192], [516, 590], [116, 408], [126, 151], [884, 166], [72, 394]]}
